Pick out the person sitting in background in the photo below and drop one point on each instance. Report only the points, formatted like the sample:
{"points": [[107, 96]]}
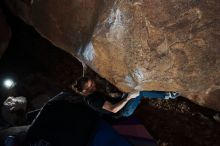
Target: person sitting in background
{"points": [[122, 106]]}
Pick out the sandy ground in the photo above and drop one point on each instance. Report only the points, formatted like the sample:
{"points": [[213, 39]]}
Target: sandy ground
{"points": [[179, 122]]}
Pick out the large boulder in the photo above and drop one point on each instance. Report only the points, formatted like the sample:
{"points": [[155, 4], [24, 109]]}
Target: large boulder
{"points": [[5, 33], [139, 44]]}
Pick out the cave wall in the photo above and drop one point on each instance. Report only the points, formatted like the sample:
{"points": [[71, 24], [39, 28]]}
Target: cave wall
{"points": [[139, 44], [5, 33]]}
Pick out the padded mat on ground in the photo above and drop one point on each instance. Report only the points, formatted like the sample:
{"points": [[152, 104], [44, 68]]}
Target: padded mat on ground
{"points": [[135, 132]]}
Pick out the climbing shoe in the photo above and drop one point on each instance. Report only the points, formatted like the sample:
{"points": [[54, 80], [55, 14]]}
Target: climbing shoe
{"points": [[172, 95]]}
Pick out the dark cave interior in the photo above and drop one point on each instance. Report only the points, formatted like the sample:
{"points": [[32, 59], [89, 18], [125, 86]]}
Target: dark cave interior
{"points": [[35, 64]]}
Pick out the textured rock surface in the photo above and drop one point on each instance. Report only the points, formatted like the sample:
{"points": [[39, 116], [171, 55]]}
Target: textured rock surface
{"points": [[67, 24], [139, 44], [5, 33]]}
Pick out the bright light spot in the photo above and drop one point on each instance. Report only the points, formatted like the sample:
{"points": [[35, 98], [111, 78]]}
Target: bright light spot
{"points": [[9, 83]]}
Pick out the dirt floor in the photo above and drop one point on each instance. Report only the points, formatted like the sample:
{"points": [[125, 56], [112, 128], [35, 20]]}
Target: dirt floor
{"points": [[42, 70], [179, 122]]}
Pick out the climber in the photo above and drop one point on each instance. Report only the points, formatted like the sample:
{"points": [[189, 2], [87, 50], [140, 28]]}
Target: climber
{"points": [[122, 106]]}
